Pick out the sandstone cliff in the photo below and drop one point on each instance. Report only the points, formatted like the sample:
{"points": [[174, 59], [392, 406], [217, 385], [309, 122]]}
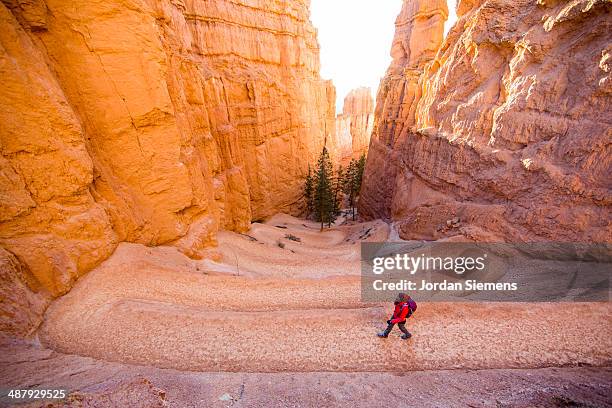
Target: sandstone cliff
{"points": [[354, 125], [501, 131], [149, 121]]}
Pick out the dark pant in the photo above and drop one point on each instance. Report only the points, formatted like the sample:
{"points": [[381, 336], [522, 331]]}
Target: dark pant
{"points": [[401, 326]]}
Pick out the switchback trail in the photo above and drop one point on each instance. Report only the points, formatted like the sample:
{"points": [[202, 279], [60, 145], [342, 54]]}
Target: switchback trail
{"points": [[278, 304]]}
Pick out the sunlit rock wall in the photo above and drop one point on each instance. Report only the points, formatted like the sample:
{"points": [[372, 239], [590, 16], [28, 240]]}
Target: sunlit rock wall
{"points": [[354, 125], [150, 121], [499, 132]]}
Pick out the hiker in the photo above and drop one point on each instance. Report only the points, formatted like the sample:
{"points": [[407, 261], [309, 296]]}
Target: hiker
{"points": [[404, 307]]}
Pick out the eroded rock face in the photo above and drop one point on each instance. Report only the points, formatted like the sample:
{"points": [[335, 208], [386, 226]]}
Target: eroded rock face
{"points": [[420, 23], [151, 122], [49, 217], [354, 125], [23, 299], [502, 132]]}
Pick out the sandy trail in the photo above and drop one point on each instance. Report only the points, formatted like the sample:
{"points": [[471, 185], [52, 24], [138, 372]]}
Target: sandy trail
{"points": [[297, 309], [108, 384], [318, 254]]}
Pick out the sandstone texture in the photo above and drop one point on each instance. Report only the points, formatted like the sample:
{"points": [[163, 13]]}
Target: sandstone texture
{"points": [[153, 122], [93, 383], [291, 309], [269, 326], [499, 132], [23, 300], [354, 125]]}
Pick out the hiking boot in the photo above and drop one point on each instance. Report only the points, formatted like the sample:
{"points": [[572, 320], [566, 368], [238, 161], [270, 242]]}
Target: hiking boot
{"points": [[406, 336], [383, 335]]}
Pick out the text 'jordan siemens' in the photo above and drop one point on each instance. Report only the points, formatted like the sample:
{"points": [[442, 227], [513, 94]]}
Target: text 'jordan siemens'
{"points": [[471, 284], [413, 264]]}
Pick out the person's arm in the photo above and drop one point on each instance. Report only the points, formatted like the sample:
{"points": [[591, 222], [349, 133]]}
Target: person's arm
{"points": [[402, 315]]}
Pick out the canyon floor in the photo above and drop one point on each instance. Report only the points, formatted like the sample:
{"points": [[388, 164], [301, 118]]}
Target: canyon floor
{"points": [[279, 322]]}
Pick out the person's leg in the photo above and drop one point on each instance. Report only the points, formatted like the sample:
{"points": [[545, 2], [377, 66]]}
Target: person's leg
{"points": [[402, 327], [387, 330]]}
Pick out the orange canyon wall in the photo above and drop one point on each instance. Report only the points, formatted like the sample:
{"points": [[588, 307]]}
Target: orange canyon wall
{"points": [[148, 121], [502, 130], [354, 125]]}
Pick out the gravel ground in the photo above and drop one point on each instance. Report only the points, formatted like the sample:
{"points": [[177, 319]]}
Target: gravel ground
{"points": [[283, 325], [96, 383]]}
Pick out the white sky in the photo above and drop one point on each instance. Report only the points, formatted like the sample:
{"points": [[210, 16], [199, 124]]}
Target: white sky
{"points": [[355, 38]]}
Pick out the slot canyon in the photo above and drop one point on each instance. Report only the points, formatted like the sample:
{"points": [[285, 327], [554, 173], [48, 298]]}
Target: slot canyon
{"points": [[156, 247]]}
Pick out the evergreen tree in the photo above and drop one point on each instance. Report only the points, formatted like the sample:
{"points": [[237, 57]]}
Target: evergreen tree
{"points": [[309, 191], [352, 181], [349, 183], [360, 169], [338, 188], [323, 193]]}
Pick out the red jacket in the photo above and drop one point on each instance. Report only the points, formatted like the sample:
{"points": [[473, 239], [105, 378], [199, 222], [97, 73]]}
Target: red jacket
{"points": [[400, 313]]}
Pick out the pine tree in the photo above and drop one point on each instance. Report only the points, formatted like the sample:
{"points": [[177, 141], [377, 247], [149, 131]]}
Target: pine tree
{"points": [[338, 188], [353, 180], [360, 169], [309, 191], [349, 183], [357, 179], [323, 194]]}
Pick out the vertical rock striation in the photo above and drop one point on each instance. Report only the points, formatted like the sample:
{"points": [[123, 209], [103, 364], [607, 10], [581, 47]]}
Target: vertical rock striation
{"points": [[419, 30], [150, 121], [354, 125], [503, 129]]}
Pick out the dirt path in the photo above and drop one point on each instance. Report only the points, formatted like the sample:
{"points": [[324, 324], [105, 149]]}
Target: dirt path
{"points": [[106, 384], [297, 308]]}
